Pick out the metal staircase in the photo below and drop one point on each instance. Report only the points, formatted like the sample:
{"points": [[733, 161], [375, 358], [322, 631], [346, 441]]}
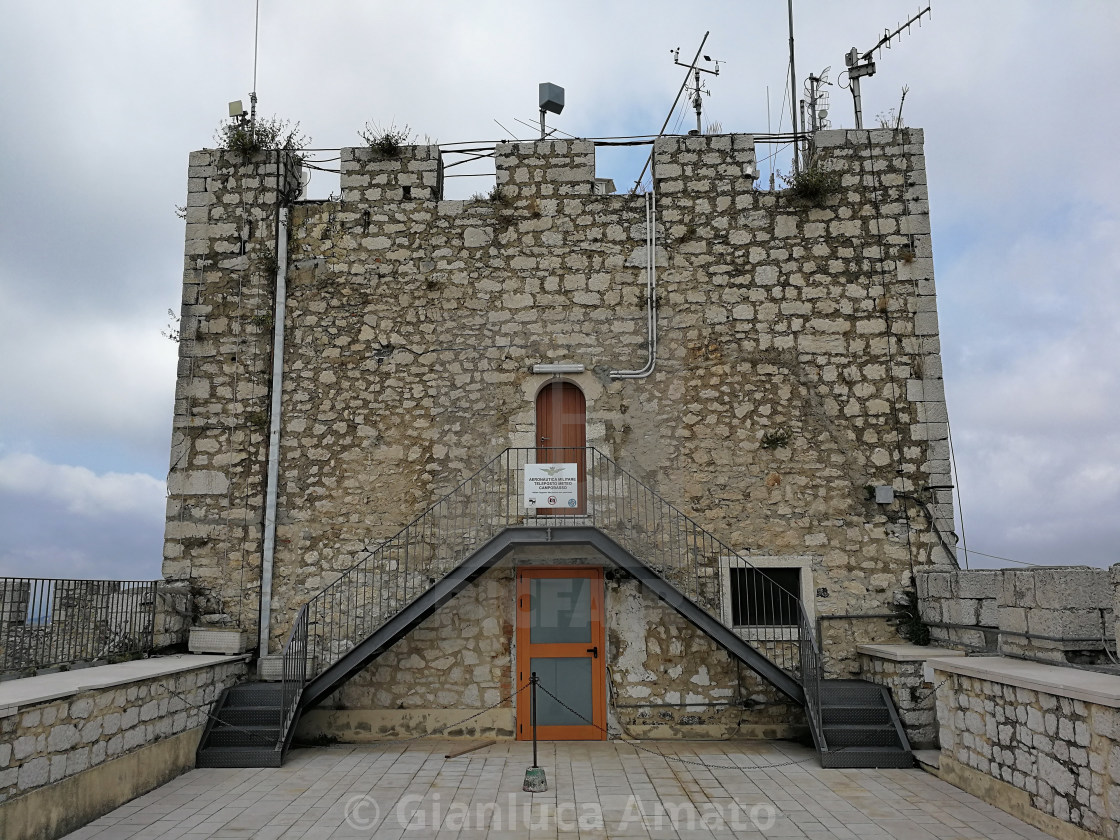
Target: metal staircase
{"points": [[859, 727], [398, 584]]}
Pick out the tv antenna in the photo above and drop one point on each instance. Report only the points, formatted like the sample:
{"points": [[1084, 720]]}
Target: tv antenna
{"points": [[697, 84], [864, 65], [818, 100]]}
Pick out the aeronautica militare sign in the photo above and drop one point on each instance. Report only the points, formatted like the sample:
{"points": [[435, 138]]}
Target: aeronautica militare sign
{"points": [[551, 485]]}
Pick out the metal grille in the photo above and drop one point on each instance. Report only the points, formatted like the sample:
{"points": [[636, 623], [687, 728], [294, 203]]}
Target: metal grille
{"points": [[52, 621]]}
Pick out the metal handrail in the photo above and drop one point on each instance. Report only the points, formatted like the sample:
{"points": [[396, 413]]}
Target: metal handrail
{"points": [[60, 621], [388, 577], [294, 667]]}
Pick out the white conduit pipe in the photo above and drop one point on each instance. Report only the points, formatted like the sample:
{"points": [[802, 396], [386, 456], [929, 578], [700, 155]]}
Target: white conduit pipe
{"points": [[651, 294], [269, 548]]}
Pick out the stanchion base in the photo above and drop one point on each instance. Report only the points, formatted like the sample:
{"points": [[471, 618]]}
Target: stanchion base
{"points": [[535, 781]]}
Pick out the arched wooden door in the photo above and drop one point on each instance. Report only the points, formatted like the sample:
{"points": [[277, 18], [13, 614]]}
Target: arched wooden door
{"points": [[562, 436]]}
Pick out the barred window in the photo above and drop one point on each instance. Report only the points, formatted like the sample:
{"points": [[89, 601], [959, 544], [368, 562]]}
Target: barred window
{"points": [[766, 597]]}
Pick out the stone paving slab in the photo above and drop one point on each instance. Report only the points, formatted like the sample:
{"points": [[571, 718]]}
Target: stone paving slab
{"points": [[683, 790]]}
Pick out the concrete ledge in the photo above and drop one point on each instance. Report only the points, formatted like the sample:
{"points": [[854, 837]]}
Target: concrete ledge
{"points": [[1087, 686], [906, 653], [749, 732], [1007, 798], [29, 691], [356, 726], [52, 811]]}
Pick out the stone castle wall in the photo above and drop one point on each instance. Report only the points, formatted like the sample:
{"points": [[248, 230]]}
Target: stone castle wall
{"points": [[798, 358]]}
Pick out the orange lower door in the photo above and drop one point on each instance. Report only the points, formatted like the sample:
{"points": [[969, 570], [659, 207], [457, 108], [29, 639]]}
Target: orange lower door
{"points": [[560, 638]]}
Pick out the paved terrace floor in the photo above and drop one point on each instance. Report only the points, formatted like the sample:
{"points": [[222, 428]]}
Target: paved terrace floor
{"points": [[748, 789]]}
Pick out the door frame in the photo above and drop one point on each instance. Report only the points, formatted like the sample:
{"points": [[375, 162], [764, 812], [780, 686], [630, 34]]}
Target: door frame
{"points": [[565, 438], [597, 731]]}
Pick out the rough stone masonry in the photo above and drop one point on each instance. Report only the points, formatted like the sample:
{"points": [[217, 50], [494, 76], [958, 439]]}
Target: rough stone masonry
{"points": [[798, 362]]}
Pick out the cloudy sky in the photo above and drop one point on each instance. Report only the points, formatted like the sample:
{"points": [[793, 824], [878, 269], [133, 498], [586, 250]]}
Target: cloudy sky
{"points": [[100, 103]]}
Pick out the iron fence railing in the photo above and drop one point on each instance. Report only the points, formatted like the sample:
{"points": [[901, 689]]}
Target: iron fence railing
{"points": [[389, 577], [54, 621]]}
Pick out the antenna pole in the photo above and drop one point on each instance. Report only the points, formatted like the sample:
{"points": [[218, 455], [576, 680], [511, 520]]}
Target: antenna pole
{"points": [[253, 95], [793, 89], [696, 100], [669, 116], [864, 65]]}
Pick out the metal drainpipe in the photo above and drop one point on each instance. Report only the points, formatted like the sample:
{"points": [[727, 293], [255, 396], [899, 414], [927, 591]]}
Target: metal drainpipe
{"points": [[651, 294], [269, 549]]}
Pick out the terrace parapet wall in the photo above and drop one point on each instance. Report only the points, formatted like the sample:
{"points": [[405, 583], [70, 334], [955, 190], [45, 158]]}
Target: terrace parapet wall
{"points": [[1060, 613], [72, 755], [1041, 742]]}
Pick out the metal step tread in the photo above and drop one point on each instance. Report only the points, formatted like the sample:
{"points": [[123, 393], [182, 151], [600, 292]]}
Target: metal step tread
{"points": [[867, 757], [249, 715], [238, 757], [852, 715], [224, 735]]}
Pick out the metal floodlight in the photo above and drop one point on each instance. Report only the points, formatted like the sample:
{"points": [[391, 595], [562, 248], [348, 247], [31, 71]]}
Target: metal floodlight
{"points": [[551, 98], [236, 109], [555, 369]]}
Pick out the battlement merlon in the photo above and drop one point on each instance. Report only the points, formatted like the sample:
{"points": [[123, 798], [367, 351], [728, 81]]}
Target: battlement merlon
{"points": [[545, 169]]}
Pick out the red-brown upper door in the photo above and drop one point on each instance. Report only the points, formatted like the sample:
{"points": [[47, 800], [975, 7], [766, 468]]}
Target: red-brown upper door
{"points": [[562, 436]]}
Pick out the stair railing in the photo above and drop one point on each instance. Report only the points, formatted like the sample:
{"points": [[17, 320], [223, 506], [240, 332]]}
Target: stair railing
{"points": [[294, 667], [391, 575]]}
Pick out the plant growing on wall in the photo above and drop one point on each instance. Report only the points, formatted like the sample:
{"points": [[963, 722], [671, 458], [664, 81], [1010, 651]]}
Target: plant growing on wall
{"points": [[813, 184], [240, 135], [386, 142], [775, 439], [908, 618]]}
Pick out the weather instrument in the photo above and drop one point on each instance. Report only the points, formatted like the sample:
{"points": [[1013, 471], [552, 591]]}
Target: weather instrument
{"points": [[860, 66], [697, 84]]}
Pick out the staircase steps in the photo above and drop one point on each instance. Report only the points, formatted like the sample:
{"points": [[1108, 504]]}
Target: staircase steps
{"points": [[860, 727], [244, 728]]}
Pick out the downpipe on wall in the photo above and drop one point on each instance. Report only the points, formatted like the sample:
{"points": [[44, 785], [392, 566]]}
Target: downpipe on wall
{"points": [[272, 480], [651, 294]]}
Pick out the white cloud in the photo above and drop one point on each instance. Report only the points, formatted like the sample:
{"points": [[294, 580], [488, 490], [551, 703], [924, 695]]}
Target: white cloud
{"points": [[81, 491], [113, 95]]}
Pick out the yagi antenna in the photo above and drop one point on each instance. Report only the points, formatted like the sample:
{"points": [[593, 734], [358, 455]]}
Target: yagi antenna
{"points": [[697, 85], [864, 65]]}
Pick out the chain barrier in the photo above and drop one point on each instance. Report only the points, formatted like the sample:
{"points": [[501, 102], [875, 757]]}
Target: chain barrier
{"points": [[659, 754]]}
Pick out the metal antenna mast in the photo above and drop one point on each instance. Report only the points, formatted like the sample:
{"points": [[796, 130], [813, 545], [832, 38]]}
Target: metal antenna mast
{"points": [[669, 116], [793, 90], [697, 85], [253, 94], [864, 65]]}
